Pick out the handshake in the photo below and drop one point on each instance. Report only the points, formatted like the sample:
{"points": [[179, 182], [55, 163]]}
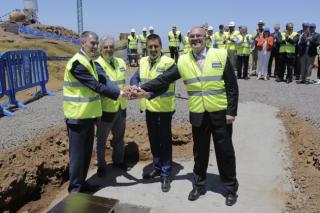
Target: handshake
{"points": [[134, 92]]}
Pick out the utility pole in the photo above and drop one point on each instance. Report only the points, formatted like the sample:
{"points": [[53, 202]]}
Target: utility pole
{"points": [[79, 16]]}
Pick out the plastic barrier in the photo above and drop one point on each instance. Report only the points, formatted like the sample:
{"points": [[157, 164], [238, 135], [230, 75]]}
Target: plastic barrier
{"points": [[24, 69], [3, 88], [38, 33]]}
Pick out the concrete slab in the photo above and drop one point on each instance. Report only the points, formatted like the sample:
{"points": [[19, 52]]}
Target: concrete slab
{"points": [[259, 144]]}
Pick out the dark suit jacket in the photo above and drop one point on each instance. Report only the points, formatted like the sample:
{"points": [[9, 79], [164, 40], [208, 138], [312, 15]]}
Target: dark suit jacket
{"points": [[312, 49], [196, 118]]}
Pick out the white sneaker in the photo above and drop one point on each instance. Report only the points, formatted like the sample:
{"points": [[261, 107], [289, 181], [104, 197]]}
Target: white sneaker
{"points": [[317, 82], [265, 78], [259, 76]]}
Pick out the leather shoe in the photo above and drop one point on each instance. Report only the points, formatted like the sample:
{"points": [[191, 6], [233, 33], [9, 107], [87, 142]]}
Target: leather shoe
{"points": [[87, 187], [196, 193], [231, 199], [165, 184], [151, 174], [288, 81], [101, 171]]}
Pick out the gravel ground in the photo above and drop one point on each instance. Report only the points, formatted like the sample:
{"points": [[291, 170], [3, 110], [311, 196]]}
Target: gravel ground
{"points": [[47, 111]]}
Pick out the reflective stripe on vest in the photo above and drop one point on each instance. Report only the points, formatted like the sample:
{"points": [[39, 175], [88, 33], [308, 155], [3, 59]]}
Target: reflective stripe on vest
{"points": [[166, 101], [80, 102], [174, 39], [143, 41], [117, 75], [206, 88], [219, 39], [133, 42], [287, 47]]}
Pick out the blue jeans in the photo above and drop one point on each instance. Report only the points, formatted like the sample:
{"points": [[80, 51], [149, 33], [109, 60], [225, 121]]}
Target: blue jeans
{"points": [[160, 137]]}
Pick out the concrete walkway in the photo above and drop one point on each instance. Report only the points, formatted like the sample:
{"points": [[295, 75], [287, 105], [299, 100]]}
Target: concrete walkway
{"points": [[260, 150]]}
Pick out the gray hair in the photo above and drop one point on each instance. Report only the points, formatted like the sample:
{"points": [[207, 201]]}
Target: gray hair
{"points": [[106, 38], [86, 34]]}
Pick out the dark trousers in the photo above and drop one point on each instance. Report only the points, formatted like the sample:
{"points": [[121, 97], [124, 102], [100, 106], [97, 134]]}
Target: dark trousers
{"points": [[144, 52], [297, 66], [274, 55], [174, 53], [318, 74], [159, 132], [215, 125], [81, 138], [242, 65], [287, 63]]}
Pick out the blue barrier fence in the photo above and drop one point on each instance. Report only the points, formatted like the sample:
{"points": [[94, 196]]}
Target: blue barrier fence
{"points": [[38, 33], [22, 69]]}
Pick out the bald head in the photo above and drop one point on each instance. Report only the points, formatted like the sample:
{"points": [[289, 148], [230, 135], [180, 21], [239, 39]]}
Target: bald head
{"points": [[197, 39]]}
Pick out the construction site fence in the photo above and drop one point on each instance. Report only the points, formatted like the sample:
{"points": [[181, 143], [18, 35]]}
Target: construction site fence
{"points": [[21, 70], [37, 33]]}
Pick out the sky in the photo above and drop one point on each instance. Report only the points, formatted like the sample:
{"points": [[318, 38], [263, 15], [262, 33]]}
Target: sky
{"points": [[108, 17]]}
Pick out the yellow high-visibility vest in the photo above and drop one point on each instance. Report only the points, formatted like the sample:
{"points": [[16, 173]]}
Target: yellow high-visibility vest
{"points": [[174, 39], [287, 47], [133, 42], [118, 76], [80, 102], [220, 38], [166, 101], [206, 88]]}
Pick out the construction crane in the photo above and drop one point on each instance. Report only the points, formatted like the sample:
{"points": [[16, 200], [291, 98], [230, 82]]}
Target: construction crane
{"points": [[79, 16]]}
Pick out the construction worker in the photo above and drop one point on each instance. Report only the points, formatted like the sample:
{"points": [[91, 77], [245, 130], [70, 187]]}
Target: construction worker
{"points": [[151, 30], [259, 33], [231, 43], [82, 88], [158, 110], [213, 98], [143, 39], [175, 39], [132, 46], [186, 43], [113, 111], [287, 53], [210, 37], [243, 52], [220, 38]]}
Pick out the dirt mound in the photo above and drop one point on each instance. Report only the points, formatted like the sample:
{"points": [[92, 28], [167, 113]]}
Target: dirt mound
{"points": [[55, 30], [39, 170], [305, 157]]}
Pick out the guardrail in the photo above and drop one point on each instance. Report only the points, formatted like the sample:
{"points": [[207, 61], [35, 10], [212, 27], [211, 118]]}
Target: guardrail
{"points": [[23, 69]]}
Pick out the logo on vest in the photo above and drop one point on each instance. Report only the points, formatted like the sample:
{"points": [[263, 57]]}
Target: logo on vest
{"points": [[122, 69], [216, 65]]}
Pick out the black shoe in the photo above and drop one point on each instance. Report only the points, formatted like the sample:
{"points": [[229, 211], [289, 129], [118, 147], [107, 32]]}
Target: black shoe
{"points": [[288, 81], [165, 184], [301, 82], [196, 193], [101, 171], [151, 174], [231, 199], [246, 78], [238, 77], [87, 187], [122, 166], [297, 78], [279, 79]]}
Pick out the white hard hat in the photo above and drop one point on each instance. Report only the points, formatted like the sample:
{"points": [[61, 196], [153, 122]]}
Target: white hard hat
{"points": [[232, 24], [260, 22], [151, 28], [144, 29], [174, 26], [210, 28], [133, 30]]}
